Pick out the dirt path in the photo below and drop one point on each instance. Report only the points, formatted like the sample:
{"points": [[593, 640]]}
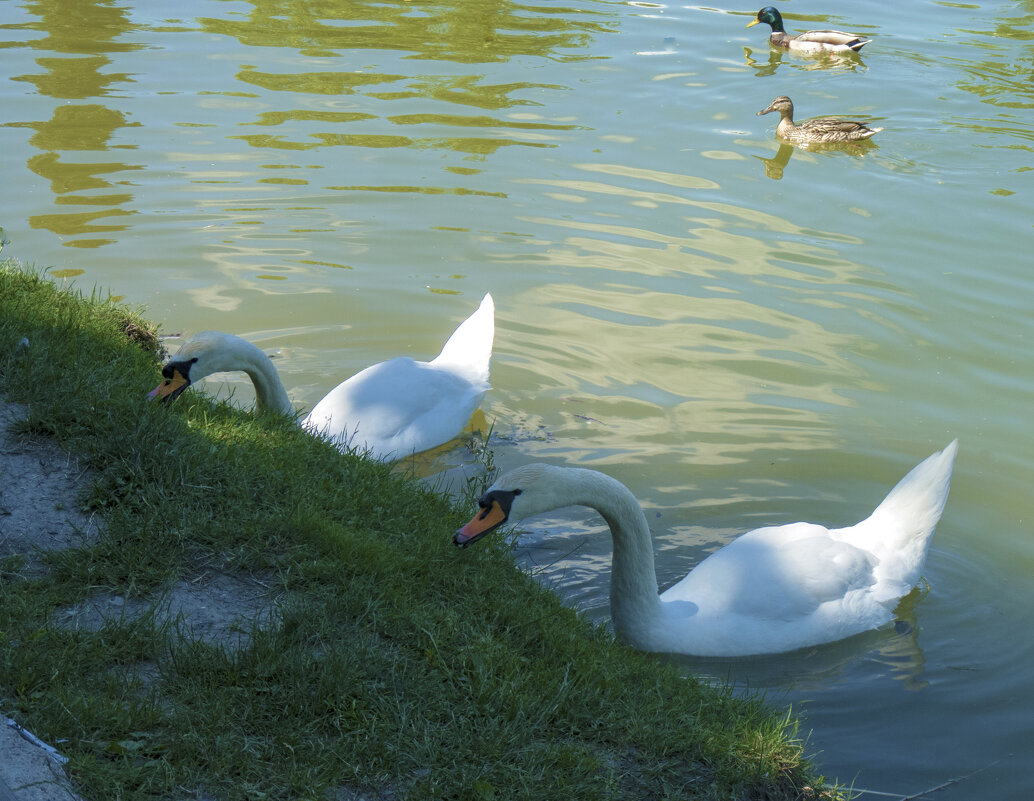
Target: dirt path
{"points": [[41, 487], [39, 490]]}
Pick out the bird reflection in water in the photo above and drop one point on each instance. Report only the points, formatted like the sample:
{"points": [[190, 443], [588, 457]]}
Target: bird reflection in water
{"points": [[821, 60], [774, 166]]}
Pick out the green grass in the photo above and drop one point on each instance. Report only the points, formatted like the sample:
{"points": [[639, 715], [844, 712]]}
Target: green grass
{"points": [[398, 666]]}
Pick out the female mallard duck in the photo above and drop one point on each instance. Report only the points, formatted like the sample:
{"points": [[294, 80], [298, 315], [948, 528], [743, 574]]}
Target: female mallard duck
{"points": [[809, 41], [389, 411], [772, 589], [821, 131]]}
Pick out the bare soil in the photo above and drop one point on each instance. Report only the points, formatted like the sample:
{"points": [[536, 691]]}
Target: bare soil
{"points": [[41, 491]]}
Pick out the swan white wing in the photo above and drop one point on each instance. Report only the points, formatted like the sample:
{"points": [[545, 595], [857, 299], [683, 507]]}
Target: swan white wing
{"points": [[782, 573], [396, 408]]}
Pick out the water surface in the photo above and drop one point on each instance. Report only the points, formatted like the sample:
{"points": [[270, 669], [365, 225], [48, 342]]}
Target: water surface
{"points": [[741, 332]]}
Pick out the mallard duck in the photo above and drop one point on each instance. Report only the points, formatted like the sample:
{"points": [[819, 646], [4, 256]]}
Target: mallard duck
{"points": [[772, 589], [809, 41], [826, 130], [389, 410]]}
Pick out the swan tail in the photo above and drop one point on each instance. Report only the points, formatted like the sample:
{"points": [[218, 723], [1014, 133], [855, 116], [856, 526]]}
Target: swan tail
{"points": [[920, 496], [900, 529], [469, 350]]}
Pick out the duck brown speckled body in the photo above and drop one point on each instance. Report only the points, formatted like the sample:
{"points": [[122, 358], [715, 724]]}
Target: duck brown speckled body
{"points": [[809, 41], [826, 130]]}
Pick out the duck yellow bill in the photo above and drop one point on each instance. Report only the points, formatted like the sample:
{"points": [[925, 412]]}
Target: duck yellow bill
{"points": [[486, 520], [169, 387], [753, 22]]}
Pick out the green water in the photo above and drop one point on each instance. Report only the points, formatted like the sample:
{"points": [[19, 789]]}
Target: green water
{"points": [[742, 333]]}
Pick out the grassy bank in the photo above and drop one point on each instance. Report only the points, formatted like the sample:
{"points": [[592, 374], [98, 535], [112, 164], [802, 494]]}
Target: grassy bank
{"points": [[389, 665]]}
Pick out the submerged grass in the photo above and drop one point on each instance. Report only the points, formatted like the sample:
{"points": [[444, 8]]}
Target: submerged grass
{"points": [[395, 666]]}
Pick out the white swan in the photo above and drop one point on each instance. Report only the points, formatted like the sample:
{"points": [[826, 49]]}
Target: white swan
{"points": [[391, 410], [771, 590]]}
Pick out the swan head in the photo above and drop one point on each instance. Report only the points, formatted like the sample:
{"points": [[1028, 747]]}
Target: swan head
{"points": [[533, 489], [519, 493], [201, 355]]}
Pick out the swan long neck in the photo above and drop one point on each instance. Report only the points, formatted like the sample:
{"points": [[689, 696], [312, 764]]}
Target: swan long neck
{"points": [[634, 602], [270, 394], [227, 352]]}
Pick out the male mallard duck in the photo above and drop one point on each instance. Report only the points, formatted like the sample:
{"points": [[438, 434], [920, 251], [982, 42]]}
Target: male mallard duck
{"points": [[821, 131], [809, 41], [390, 410]]}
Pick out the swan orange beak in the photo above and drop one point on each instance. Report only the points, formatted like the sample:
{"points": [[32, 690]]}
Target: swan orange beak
{"points": [[170, 388], [488, 519]]}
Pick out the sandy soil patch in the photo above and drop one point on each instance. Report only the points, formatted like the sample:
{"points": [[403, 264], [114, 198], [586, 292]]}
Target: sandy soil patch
{"points": [[41, 487]]}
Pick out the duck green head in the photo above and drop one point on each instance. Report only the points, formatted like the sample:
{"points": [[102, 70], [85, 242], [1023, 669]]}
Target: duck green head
{"points": [[770, 16]]}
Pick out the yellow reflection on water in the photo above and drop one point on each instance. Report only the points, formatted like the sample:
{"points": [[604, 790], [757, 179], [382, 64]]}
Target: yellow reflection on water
{"points": [[447, 31], [280, 117], [74, 77], [319, 83], [80, 26], [82, 128], [699, 378], [79, 224], [678, 336], [338, 101]]}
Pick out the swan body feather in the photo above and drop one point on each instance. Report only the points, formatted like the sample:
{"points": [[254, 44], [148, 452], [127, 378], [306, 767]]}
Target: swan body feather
{"points": [[773, 589], [389, 410]]}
